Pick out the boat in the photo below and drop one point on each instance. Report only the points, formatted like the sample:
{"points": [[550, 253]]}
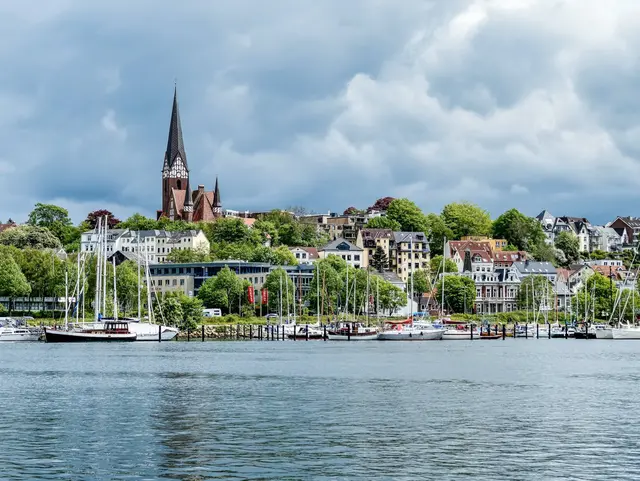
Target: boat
{"points": [[354, 332], [112, 331], [146, 331], [626, 332], [14, 334], [411, 331], [526, 331], [303, 333], [582, 333], [604, 332]]}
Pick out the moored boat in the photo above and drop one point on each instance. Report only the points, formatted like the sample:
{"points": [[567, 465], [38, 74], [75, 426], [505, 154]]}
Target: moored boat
{"points": [[411, 331], [355, 332], [17, 334], [113, 331], [303, 333]]}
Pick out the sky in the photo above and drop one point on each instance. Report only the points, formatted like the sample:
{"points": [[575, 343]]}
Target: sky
{"points": [[533, 104]]}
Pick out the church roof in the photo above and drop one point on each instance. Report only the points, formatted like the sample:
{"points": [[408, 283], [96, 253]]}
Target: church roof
{"points": [[175, 143]]}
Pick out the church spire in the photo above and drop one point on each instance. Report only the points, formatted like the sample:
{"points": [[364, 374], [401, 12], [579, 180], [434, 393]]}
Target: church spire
{"points": [[217, 201], [175, 144]]}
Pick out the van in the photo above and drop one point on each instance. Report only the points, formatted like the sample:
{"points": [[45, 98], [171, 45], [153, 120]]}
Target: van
{"points": [[215, 312]]}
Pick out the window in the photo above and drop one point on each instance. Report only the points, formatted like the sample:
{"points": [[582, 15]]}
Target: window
{"points": [[356, 257], [182, 282], [166, 282], [175, 282]]}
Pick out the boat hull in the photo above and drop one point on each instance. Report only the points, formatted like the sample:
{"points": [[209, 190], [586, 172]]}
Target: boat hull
{"points": [[20, 337], [604, 334], [424, 335], [354, 337], [456, 335], [626, 333], [70, 336]]}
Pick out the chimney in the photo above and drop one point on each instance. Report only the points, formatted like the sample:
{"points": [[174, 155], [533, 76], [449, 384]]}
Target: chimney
{"points": [[200, 188]]}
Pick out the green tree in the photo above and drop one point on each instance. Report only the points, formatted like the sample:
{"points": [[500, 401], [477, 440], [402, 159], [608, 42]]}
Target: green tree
{"points": [[569, 244], [264, 231], [277, 283], [242, 251], [231, 230], [282, 256], [27, 236], [459, 292], [519, 230], [127, 286], [379, 260], [437, 233], [330, 284], [229, 286], [466, 219], [383, 222], [601, 293], [544, 252], [408, 215], [188, 255], [138, 222], [12, 281], [43, 270], [56, 219], [421, 282], [436, 265], [390, 297]]}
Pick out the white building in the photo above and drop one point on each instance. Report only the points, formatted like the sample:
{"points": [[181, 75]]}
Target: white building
{"points": [[305, 255], [351, 253], [153, 244]]}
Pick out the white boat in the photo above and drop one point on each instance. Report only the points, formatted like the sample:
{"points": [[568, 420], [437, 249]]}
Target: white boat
{"points": [[418, 331], [15, 334], [146, 331], [626, 332], [604, 332], [356, 332]]}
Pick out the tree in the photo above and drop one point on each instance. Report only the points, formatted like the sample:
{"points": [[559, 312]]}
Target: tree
{"points": [[437, 233], [28, 236], [12, 281], [381, 205], [290, 234], [225, 286], [519, 230], [436, 265], [408, 215], [264, 231], [43, 270], [351, 211], [544, 252], [459, 293], [48, 215], [383, 222], [326, 280], [466, 219], [599, 297], [127, 286], [390, 297], [230, 229], [421, 282], [535, 292], [138, 222], [282, 256], [92, 218], [379, 260], [239, 251], [278, 283], [188, 255], [569, 244]]}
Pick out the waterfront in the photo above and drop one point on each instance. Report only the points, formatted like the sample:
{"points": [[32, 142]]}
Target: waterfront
{"points": [[246, 410]]}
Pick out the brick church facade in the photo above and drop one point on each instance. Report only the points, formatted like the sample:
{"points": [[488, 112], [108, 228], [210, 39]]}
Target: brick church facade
{"points": [[179, 202]]}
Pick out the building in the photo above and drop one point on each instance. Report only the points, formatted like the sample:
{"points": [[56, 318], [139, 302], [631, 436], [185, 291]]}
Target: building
{"points": [[607, 239], [155, 245], [351, 253], [6, 226], [409, 250], [495, 245], [370, 239], [506, 259], [304, 255], [302, 277], [631, 227], [496, 291], [480, 251], [189, 277], [535, 268], [578, 226], [179, 202]]}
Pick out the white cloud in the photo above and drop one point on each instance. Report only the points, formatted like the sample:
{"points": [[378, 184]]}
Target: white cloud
{"points": [[109, 124], [517, 189]]}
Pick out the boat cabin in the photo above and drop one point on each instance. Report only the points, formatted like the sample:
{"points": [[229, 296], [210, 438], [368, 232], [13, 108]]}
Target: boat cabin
{"points": [[116, 327]]}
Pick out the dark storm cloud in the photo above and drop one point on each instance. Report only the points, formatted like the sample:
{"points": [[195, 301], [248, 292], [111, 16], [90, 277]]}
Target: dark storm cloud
{"points": [[323, 104]]}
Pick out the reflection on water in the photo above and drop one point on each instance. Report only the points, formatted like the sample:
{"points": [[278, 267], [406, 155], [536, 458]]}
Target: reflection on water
{"points": [[559, 409]]}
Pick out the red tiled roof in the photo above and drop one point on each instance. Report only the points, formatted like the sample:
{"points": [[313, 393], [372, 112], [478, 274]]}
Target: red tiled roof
{"points": [[4, 227], [609, 270], [509, 256]]}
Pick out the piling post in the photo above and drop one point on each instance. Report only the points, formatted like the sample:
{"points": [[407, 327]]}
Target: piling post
{"points": [[283, 333], [549, 330], [277, 332], [586, 329], [188, 335], [348, 331], [566, 330], [159, 333], [504, 332], [307, 336], [202, 332], [526, 331], [515, 329], [496, 327], [324, 337], [237, 332], [471, 331], [251, 332], [537, 331]]}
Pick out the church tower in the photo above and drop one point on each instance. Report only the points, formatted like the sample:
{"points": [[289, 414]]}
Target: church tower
{"points": [[175, 171]]}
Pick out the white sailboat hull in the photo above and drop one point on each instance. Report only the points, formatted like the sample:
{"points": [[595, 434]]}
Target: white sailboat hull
{"points": [[604, 333], [625, 333], [361, 337], [412, 335], [19, 335], [454, 335]]}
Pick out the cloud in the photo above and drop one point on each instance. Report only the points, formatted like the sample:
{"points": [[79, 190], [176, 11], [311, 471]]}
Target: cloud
{"points": [[499, 102]]}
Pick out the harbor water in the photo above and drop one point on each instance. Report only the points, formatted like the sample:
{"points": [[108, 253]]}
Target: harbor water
{"points": [[498, 410]]}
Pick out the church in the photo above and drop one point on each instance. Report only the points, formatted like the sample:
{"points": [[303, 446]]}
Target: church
{"points": [[179, 202]]}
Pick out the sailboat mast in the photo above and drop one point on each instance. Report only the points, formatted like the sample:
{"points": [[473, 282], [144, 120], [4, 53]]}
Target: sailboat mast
{"points": [[78, 288], [98, 250], [346, 304], [411, 266], [115, 296], [286, 285], [280, 295], [66, 299], [355, 313], [368, 299], [148, 276], [443, 273], [318, 293], [378, 299], [139, 287], [84, 284], [104, 269]]}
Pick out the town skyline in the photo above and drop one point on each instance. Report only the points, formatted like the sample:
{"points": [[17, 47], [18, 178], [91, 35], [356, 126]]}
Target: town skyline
{"points": [[422, 102]]}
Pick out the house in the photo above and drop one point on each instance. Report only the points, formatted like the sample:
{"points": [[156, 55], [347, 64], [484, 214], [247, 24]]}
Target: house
{"points": [[547, 221], [351, 253], [408, 251], [535, 268], [8, 225], [480, 251], [496, 291], [304, 255], [507, 258], [607, 239], [631, 226], [579, 226], [155, 245], [370, 239], [494, 244]]}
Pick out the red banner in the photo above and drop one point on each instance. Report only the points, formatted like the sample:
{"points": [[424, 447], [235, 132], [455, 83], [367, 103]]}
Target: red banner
{"points": [[265, 296], [250, 294]]}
